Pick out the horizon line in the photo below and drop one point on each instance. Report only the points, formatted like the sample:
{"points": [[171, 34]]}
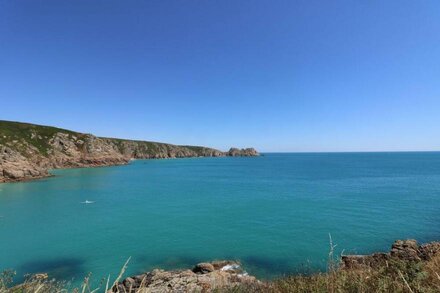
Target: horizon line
{"points": [[261, 152], [327, 152]]}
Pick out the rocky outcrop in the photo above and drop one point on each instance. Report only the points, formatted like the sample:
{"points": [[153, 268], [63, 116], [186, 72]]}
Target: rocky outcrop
{"points": [[249, 152], [406, 250], [28, 151], [204, 277], [87, 151], [220, 275], [15, 167]]}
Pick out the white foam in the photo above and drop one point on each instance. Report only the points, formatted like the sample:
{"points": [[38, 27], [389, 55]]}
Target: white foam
{"points": [[230, 267]]}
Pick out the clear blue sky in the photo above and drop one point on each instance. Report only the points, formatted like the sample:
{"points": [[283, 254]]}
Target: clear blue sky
{"points": [[277, 75]]}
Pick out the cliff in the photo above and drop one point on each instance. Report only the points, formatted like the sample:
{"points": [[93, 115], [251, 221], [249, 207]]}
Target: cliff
{"points": [[29, 151]]}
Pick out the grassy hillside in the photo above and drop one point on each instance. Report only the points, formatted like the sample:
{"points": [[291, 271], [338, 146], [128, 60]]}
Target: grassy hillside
{"points": [[35, 135], [38, 136]]}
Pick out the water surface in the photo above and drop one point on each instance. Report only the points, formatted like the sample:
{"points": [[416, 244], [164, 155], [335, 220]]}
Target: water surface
{"points": [[274, 213]]}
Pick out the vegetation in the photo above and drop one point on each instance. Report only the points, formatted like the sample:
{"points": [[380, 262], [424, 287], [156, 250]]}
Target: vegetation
{"points": [[394, 276], [20, 135], [35, 135]]}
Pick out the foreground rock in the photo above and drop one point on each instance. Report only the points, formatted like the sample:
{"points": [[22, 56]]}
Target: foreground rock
{"points": [[405, 250], [204, 277], [28, 151]]}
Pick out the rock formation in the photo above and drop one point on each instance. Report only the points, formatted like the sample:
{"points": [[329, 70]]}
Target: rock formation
{"points": [[204, 277], [249, 152], [406, 250], [28, 151]]}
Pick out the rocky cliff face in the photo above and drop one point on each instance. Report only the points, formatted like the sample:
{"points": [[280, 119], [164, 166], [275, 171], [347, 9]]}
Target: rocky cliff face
{"points": [[28, 151], [14, 166]]}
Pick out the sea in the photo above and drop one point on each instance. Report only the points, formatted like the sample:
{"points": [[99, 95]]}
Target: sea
{"points": [[277, 214]]}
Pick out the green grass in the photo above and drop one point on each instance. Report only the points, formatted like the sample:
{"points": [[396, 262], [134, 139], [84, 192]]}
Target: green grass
{"points": [[197, 149], [18, 132]]}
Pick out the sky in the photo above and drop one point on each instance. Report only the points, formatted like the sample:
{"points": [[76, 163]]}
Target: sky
{"points": [[279, 76]]}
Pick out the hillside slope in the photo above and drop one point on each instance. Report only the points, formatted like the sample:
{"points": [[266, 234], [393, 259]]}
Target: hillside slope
{"points": [[28, 151]]}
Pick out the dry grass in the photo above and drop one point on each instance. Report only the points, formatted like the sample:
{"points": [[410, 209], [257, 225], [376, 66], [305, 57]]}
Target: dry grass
{"points": [[394, 276]]}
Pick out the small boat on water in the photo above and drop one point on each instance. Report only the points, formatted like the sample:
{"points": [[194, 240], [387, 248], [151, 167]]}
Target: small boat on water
{"points": [[87, 202]]}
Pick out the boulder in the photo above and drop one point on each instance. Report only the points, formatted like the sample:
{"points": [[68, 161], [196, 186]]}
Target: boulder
{"points": [[429, 250], [405, 249], [205, 277], [13, 173], [203, 268]]}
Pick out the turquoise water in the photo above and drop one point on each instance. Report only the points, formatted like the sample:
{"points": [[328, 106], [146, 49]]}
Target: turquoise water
{"points": [[274, 213]]}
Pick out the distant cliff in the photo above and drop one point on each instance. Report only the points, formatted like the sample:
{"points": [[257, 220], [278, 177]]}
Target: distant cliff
{"points": [[28, 151]]}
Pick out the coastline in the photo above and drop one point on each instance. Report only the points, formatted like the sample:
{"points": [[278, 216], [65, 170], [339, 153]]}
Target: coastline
{"points": [[29, 151], [406, 266], [47, 173]]}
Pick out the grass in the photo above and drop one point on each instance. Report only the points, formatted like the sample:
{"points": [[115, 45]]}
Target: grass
{"points": [[35, 135], [395, 276]]}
